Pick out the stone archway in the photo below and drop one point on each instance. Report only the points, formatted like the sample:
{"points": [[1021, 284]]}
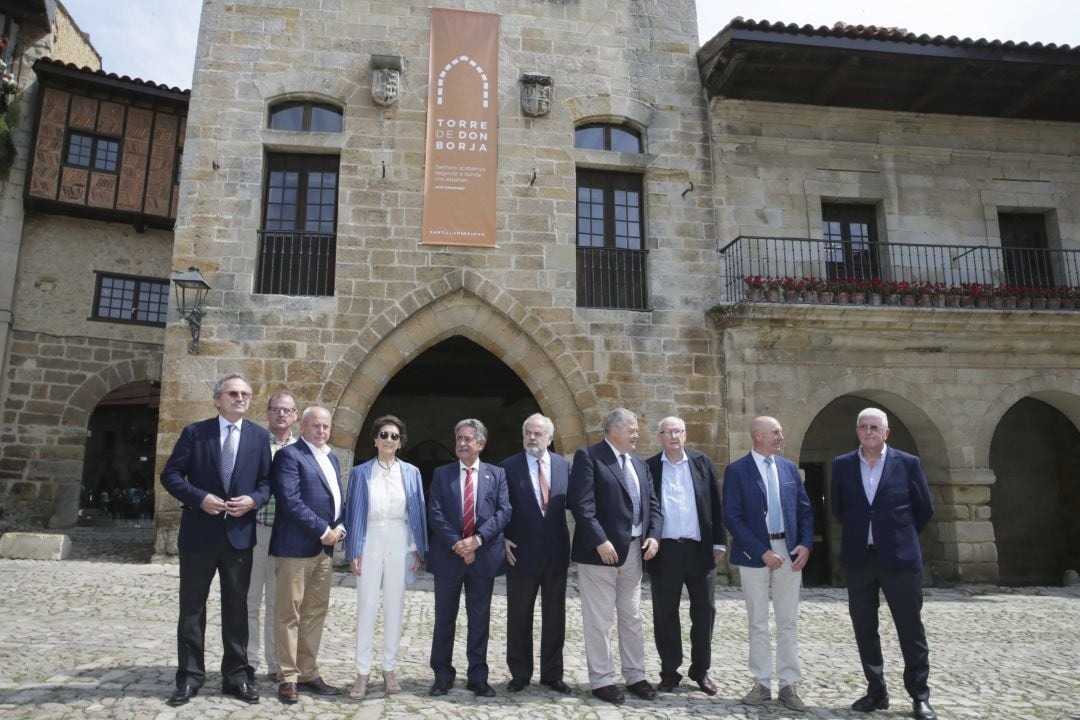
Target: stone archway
{"points": [[461, 303]]}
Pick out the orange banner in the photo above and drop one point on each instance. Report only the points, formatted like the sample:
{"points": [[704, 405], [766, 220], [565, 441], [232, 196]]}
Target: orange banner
{"points": [[462, 129]]}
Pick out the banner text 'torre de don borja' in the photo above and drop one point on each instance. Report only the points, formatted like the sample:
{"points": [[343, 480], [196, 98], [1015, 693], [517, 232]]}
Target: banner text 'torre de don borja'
{"points": [[462, 129]]}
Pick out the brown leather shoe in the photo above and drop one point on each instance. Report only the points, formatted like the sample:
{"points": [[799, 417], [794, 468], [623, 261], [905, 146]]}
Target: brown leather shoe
{"points": [[609, 693], [318, 686], [643, 690], [707, 685], [287, 694]]}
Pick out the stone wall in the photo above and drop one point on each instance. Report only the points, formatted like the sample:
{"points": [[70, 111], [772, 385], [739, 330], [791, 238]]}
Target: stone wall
{"points": [[612, 60]]}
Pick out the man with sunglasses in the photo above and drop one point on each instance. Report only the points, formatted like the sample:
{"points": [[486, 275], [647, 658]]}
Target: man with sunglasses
{"points": [[882, 501], [280, 415], [219, 471]]}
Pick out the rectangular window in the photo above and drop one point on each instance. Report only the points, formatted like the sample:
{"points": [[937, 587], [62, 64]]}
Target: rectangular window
{"points": [[850, 233], [131, 299], [297, 249], [611, 259], [96, 153], [1025, 250]]}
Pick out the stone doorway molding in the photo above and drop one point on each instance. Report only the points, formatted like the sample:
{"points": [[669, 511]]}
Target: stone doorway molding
{"points": [[464, 303]]}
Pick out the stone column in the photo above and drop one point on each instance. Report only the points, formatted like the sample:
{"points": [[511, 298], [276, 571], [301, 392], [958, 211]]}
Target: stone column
{"points": [[959, 543]]}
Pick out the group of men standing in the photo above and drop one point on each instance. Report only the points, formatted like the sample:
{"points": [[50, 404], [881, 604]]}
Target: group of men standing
{"points": [[666, 515]]}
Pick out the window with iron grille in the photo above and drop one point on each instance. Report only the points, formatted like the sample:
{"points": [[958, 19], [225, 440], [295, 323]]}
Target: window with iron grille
{"points": [[297, 245], [91, 151], [611, 256], [131, 299]]}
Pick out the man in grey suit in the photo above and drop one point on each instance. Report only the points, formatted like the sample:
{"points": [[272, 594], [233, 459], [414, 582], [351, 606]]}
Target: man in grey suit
{"points": [[538, 554], [618, 526]]}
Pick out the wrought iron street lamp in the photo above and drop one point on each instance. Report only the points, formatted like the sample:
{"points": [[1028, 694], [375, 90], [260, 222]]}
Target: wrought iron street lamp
{"points": [[191, 290]]}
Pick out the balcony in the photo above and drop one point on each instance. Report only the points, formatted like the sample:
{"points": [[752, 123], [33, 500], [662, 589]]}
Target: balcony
{"points": [[801, 270], [612, 278], [296, 263]]}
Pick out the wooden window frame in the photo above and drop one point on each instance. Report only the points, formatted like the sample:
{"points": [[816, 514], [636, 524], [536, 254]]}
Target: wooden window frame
{"points": [[140, 283], [95, 145], [305, 123]]}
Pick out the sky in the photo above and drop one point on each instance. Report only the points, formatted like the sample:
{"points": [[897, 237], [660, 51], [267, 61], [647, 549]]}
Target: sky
{"points": [[155, 39]]}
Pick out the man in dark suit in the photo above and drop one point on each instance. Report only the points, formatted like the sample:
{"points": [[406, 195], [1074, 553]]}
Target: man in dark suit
{"points": [[306, 478], [690, 547], [538, 554], [771, 521], [219, 471], [468, 510], [881, 499], [617, 526]]}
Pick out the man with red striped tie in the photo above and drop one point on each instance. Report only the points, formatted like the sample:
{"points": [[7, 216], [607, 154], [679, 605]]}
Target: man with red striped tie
{"points": [[468, 508]]}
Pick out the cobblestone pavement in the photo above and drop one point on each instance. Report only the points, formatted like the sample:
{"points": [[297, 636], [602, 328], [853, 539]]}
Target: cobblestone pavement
{"points": [[96, 639]]}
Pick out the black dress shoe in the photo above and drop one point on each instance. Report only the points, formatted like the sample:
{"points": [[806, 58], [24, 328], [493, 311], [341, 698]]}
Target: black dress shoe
{"points": [[557, 685], [609, 693], [516, 684], [438, 688], [182, 695], [707, 685], [244, 691], [922, 711], [668, 684], [318, 686], [868, 702], [481, 689], [643, 690]]}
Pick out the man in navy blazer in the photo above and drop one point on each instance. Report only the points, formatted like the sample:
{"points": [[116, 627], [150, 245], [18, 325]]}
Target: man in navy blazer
{"points": [[468, 509], [771, 521], [219, 471], [538, 555], [881, 499], [617, 527], [693, 542], [306, 478]]}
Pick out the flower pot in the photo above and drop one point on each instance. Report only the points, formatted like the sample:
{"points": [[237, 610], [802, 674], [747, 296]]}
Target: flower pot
{"points": [[1024, 303], [875, 298], [753, 294], [893, 299], [842, 297], [938, 300], [1067, 303], [1009, 302], [792, 296], [858, 298], [1038, 303], [908, 300], [826, 297], [997, 302], [810, 296], [772, 295], [924, 299], [982, 301], [1053, 303]]}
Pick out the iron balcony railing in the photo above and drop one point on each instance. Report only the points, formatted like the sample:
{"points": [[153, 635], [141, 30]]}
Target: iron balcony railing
{"points": [[612, 278], [296, 263], [836, 266]]}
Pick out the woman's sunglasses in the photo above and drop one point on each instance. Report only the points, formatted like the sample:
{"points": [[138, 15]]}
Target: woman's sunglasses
{"points": [[383, 435]]}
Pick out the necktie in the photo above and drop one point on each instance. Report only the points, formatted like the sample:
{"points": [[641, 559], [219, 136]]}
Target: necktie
{"points": [[631, 487], [228, 459], [774, 519], [468, 511], [544, 491]]}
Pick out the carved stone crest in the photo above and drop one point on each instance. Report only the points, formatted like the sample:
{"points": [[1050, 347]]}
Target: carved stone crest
{"points": [[386, 78], [537, 92]]}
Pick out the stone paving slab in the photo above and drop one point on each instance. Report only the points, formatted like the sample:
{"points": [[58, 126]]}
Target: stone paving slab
{"points": [[85, 639]]}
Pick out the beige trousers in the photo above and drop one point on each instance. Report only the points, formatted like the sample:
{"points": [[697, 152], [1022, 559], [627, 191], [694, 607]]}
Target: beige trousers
{"points": [[606, 590], [303, 595]]}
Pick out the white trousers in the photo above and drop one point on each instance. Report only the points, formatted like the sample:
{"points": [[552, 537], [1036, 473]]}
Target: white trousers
{"points": [[386, 549], [606, 590], [785, 600], [263, 586]]}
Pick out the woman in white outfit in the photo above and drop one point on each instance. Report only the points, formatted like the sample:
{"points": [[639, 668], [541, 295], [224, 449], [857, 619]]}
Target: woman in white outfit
{"points": [[387, 539]]}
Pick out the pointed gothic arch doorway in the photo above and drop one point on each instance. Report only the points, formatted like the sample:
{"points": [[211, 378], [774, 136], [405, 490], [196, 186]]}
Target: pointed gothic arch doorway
{"points": [[452, 380]]}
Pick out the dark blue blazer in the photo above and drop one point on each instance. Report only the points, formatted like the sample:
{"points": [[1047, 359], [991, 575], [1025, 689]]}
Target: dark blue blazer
{"points": [[746, 504], [542, 540], [902, 508], [602, 507], [706, 497], [193, 471], [305, 507], [444, 520]]}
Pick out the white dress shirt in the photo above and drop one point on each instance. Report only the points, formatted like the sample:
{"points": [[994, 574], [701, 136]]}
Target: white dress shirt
{"points": [[322, 456], [871, 477]]}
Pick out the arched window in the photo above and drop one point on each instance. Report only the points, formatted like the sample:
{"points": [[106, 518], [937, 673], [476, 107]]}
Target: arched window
{"points": [[300, 116], [605, 136]]}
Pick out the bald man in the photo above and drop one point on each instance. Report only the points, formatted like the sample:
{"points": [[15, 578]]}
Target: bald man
{"points": [[768, 513]]}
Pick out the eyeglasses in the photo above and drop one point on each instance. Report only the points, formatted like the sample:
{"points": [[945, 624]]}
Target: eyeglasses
{"points": [[383, 435], [675, 432], [281, 410], [238, 394], [870, 428]]}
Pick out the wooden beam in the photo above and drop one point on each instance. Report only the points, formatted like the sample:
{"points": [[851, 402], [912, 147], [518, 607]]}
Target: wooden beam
{"points": [[1033, 93], [938, 87], [717, 86], [839, 75]]}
